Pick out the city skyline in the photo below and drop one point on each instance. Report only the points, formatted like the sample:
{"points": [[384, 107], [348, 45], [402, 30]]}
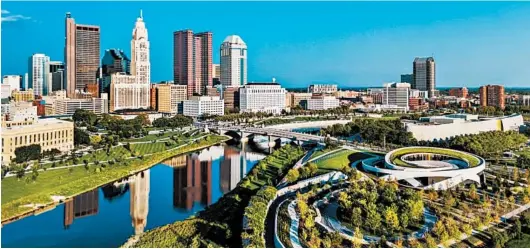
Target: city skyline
{"points": [[349, 54]]}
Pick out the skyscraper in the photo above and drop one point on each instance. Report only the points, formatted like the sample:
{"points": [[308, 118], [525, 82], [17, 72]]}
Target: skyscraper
{"points": [[140, 63], [37, 73], [54, 76], [424, 72], [114, 61], [233, 61], [192, 60], [492, 95], [408, 78], [133, 91], [81, 55]]}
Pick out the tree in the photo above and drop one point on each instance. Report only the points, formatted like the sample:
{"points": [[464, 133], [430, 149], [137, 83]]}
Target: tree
{"points": [[86, 117], [404, 219], [81, 137], [467, 229], [391, 219], [292, 175], [356, 217], [27, 153], [313, 168], [34, 173], [515, 176], [94, 140], [518, 229], [373, 218], [357, 238], [430, 242]]}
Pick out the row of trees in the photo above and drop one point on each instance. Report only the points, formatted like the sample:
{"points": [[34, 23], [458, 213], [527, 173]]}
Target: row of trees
{"points": [[177, 121], [377, 131], [255, 214]]}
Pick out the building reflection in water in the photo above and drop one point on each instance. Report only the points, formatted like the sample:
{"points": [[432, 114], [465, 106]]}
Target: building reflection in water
{"points": [[192, 182], [231, 171], [139, 185], [114, 190], [85, 204]]}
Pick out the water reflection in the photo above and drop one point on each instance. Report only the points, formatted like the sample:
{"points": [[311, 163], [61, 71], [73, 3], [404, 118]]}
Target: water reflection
{"points": [[140, 200], [171, 191], [85, 204]]}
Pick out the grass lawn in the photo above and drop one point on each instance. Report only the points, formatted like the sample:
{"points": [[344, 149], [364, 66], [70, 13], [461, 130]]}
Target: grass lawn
{"points": [[338, 160], [321, 152], [73, 181], [148, 148], [100, 155]]}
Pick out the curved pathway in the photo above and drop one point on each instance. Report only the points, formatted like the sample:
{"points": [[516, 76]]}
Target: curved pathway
{"points": [[293, 230]]}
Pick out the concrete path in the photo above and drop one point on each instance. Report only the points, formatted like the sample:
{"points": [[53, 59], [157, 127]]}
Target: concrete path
{"points": [[295, 220]]}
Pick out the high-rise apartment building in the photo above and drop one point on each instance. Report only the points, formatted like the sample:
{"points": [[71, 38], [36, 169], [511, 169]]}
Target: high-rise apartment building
{"points": [[81, 55], [424, 71], [233, 61], [37, 73], [54, 76], [492, 95], [192, 60], [408, 78], [231, 98], [114, 61], [14, 81], [170, 97], [461, 92]]}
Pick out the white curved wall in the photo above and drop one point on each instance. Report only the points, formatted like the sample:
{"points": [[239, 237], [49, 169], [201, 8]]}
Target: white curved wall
{"points": [[445, 131]]}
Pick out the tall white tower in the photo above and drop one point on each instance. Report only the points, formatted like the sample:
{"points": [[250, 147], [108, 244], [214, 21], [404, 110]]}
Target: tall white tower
{"points": [[140, 65], [233, 61], [37, 63]]}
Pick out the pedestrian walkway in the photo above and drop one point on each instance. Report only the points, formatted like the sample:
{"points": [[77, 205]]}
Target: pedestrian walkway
{"points": [[295, 222]]}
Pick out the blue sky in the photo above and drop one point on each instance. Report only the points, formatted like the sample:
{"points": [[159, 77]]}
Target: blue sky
{"points": [[350, 43]]}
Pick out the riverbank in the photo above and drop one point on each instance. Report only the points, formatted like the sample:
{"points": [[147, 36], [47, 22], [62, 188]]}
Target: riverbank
{"points": [[220, 224], [22, 197]]}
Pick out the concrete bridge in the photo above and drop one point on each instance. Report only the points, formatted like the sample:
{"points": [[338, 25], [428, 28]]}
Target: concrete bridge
{"points": [[273, 134]]}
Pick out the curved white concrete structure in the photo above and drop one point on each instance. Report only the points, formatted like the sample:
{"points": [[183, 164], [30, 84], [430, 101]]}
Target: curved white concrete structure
{"points": [[453, 169]]}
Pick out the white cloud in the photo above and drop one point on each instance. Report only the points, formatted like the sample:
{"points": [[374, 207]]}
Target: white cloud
{"points": [[5, 12], [14, 18]]}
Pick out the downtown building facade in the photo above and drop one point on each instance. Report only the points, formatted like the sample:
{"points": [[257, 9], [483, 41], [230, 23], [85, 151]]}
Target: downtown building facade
{"points": [[48, 133], [14, 81], [396, 94], [170, 97], [114, 61], [262, 97], [322, 103], [461, 92], [424, 72], [129, 92], [192, 60], [197, 106], [322, 88], [54, 76], [37, 73], [82, 54], [233, 62]]}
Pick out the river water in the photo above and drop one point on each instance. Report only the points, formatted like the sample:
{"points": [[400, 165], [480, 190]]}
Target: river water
{"points": [[168, 192]]}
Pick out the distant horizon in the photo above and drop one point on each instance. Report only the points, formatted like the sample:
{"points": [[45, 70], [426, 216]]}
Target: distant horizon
{"points": [[351, 44]]}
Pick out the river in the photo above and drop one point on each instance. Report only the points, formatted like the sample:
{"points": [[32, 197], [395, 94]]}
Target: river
{"points": [[168, 192]]}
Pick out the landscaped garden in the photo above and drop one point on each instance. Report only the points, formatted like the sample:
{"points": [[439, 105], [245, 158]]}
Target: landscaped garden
{"points": [[396, 155]]}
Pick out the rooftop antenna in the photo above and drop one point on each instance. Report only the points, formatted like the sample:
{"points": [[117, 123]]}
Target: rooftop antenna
{"points": [[141, 16]]}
